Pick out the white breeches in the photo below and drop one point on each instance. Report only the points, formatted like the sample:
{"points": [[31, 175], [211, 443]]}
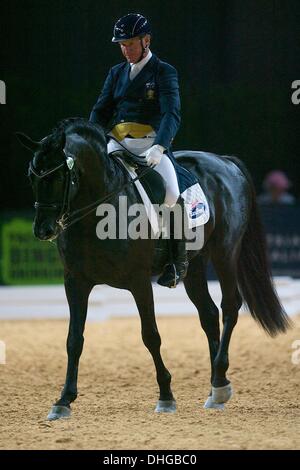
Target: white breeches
{"points": [[165, 168]]}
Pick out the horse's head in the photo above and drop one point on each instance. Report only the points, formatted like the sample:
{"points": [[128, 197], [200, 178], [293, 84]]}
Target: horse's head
{"points": [[51, 176]]}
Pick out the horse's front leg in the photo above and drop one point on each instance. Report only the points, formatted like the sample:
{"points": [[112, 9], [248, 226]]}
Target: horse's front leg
{"points": [[77, 291], [143, 295]]}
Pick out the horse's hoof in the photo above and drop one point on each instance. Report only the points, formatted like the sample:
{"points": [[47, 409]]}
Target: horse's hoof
{"points": [[211, 404], [166, 406], [221, 394], [58, 412]]}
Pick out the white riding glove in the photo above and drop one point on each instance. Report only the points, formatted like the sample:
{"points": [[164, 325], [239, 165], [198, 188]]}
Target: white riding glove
{"points": [[154, 154]]}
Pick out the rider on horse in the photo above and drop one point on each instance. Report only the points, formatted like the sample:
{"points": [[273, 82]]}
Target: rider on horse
{"points": [[140, 107]]}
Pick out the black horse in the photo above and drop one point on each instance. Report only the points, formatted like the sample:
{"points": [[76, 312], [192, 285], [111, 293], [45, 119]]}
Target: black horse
{"points": [[71, 174]]}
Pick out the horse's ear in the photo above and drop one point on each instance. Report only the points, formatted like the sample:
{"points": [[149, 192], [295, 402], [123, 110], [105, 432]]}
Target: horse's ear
{"points": [[27, 142]]}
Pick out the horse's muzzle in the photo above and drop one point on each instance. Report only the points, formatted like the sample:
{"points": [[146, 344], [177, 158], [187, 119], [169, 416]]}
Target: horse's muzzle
{"points": [[46, 231]]}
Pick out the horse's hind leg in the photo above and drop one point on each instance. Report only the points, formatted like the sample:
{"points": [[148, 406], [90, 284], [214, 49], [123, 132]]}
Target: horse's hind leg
{"points": [[196, 287], [143, 295], [226, 269], [77, 291]]}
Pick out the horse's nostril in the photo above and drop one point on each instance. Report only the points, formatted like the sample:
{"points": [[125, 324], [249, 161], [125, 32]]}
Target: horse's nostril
{"points": [[48, 232], [44, 233]]}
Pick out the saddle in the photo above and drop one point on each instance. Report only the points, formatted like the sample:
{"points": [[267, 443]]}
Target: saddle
{"points": [[152, 182], [155, 188], [154, 185]]}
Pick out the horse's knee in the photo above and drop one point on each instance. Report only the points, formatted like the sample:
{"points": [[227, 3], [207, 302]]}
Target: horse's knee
{"points": [[209, 319], [151, 339], [75, 345], [232, 304], [230, 311], [230, 318]]}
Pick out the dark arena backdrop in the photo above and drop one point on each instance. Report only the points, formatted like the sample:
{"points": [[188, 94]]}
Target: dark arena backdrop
{"points": [[239, 73]]}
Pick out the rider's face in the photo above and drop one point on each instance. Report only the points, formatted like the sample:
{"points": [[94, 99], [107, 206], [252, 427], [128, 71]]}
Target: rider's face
{"points": [[132, 48]]}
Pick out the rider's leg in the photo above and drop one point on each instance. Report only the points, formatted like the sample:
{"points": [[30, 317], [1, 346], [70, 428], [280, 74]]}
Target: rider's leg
{"points": [[173, 273], [166, 169]]}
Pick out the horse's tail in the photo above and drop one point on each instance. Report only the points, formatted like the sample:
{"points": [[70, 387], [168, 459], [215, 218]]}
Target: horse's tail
{"points": [[254, 275]]}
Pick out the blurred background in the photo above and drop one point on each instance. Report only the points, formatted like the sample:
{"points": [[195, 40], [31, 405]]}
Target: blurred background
{"points": [[236, 62]]}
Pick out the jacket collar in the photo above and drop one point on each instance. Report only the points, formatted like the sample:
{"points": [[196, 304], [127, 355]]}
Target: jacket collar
{"points": [[141, 64], [142, 76]]}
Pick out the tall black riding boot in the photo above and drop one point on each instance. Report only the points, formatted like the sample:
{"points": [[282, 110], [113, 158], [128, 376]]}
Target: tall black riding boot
{"points": [[175, 271]]}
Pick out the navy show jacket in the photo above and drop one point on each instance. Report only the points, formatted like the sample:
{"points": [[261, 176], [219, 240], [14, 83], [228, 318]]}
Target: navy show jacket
{"points": [[152, 97]]}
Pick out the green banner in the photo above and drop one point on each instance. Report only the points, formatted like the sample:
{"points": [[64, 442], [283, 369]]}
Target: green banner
{"points": [[25, 260]]}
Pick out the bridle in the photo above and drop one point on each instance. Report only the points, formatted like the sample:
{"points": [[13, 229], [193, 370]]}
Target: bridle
{"points": [[65, 204], [67, 218]]}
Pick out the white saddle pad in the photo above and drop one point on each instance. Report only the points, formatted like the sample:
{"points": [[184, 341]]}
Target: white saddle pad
{"points": [[196, 205]]}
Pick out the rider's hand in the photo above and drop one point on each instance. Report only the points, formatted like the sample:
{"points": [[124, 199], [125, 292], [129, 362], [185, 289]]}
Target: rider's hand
{"points": [[154, 154]]}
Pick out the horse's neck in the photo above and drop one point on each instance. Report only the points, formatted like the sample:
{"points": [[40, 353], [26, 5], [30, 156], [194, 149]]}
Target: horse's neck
{"points": [[103, 176], [114, 175], [100, 174]]}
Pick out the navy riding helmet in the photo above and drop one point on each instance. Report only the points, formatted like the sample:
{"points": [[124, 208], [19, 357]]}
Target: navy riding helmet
{"points": [[131, 26]]}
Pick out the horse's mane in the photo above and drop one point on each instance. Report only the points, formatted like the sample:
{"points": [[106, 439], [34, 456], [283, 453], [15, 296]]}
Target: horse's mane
{"points": [[88, 130]]}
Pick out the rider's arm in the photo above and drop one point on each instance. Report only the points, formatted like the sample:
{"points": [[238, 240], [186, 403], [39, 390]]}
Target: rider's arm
{"points": [[169, 101], [103, 110]]}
